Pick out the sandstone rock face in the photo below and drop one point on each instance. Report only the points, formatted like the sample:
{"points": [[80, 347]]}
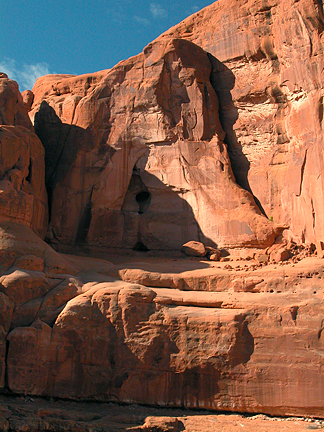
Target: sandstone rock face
{"points": [[6, 307], [135, 156], [23, 196], [21, 248], [13, 109], [267, 72], [23, 205], [238, 350]]}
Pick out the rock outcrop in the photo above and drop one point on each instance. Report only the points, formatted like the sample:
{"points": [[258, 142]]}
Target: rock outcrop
{"points": [[242, 347], [140, 157], [135, 156], [23, 196], [267, 61]]}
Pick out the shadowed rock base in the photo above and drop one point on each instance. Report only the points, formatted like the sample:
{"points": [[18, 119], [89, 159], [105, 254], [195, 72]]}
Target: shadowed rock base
{"points": [[195, 334], [36, 414]]}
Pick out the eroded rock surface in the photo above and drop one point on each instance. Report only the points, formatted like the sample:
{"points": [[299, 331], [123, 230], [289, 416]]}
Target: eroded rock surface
{"points": [[135, 156], [23, 205], [96, 336], [268, 75], [23, 196]]}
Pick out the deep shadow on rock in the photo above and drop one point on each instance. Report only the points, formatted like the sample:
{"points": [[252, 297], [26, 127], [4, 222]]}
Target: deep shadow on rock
{"points": [[150, 204], [223, 82], [62, 143], [161, 126], [153, 217]]}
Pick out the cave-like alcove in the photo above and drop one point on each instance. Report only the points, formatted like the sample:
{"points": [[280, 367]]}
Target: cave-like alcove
{"points": [[143, 199], [140, 247]]}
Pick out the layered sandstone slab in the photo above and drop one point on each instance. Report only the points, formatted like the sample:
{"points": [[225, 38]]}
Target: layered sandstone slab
{"points": [[95, 336], [24, 258], [135, 156]]}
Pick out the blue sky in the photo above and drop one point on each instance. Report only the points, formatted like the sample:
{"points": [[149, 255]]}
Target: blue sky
{"points": [[75, 37]]}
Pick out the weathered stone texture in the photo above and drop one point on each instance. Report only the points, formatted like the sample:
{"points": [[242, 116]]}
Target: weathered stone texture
{"points": [[130, 343], [23, 196], [140, 157], [267, 72], [139, 161]]}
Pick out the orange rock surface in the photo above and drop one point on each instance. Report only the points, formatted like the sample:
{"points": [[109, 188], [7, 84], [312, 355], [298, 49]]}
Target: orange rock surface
{"points": [[135, 156], [268, 75], [23, 196], [140, 157], [223, 340]]}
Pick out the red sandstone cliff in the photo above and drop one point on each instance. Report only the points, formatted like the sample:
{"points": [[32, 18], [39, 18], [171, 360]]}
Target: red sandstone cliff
{"points": [[268, 75], [136, 156], [266, 85], [23, 196]]}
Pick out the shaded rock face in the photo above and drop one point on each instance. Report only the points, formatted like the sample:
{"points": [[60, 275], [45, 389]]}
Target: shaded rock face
{"points": [[139, 342], [22, 190], [23, 258], [267, 72], [135, 156], [125, 342]]}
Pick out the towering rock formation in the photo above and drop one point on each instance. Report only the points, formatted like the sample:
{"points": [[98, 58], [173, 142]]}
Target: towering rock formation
{"points": [[23, 196], [268, 74], [135, 156]]}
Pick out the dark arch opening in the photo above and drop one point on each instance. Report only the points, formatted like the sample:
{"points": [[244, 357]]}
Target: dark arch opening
{"points": [[140, 247], [142, 196], [143, 199]]}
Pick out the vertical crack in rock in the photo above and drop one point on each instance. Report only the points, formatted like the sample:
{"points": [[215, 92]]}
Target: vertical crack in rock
{"points": [[313, 213], [85, 221], [320, 110], [320, 332], [30, 167], [302, 175], [306, 31]]}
